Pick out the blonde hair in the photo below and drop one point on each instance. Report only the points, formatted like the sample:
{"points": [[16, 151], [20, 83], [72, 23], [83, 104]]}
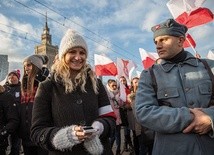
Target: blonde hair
{"points": [[63, 73]]}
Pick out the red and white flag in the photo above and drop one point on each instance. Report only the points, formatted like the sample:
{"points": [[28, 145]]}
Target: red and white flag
{"points": [[189, 40], [104, 66], [123, 95], [125, 68], [190, 12], [210, 55], [148, 58]]}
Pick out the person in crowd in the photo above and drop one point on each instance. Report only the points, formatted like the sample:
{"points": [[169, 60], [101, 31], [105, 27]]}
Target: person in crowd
{"points": [[70, 101], [13, 86], [116, 103], [128, 146], [143, 137], [177, 100], [8, 118], [132, 124], [34, 73]]}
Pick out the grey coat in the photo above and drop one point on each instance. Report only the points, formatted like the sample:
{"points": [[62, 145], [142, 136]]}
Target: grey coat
{"points": [[180, 87]]}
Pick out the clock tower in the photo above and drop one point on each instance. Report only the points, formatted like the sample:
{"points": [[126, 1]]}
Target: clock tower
{"points": [[46, 47]]}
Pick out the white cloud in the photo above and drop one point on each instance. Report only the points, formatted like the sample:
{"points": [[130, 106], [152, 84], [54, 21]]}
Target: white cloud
{"points": [[103, 47], [151, 19]]}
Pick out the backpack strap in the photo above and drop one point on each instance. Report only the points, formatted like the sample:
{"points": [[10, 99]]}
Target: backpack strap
{"points": [[154, 82], [212, 79]]}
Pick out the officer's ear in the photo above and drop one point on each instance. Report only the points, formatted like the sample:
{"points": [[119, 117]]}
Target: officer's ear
{"points": [[181, 41]]}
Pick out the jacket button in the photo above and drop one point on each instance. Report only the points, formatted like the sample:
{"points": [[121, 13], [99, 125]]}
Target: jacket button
{"points": [[79, 101], [191, 103], [186, 89], [166, 95], [42, 138]]}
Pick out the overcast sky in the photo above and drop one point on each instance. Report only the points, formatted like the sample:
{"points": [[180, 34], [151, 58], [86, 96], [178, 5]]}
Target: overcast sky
{"points": [[116, 28]]}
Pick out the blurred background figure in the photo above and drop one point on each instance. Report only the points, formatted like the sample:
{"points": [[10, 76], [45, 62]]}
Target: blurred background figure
{"points": [[13, 86], [8, 118], [128, 145], [133, 126], [34, 73], [116, 103]]}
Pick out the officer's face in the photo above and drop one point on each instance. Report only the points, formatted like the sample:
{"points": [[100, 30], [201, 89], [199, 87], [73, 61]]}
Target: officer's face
{"points": [[168, 46]]}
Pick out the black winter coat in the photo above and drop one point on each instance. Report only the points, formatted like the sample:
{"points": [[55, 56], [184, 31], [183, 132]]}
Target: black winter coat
{"points": [[25, 110], [53, 110], [8, 116], [15, 90]]}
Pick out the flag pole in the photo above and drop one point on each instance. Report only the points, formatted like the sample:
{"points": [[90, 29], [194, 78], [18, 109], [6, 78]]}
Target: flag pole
{"points": [[192, 46], [185, 6]]}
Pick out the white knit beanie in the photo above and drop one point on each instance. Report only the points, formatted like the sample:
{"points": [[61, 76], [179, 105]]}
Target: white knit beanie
{"points": [[71, 39], [37, 60]]}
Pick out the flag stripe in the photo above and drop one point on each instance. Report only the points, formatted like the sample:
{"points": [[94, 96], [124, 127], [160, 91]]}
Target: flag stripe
{"points": [[195, 18], [189, 40], [108, 69]]}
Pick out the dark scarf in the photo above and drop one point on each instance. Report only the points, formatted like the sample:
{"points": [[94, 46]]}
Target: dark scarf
{"points": [[180, 57]]}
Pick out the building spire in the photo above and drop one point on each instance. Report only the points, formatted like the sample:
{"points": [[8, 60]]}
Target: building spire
{"points": [[46, 29], [46, 20], [46, 37]]}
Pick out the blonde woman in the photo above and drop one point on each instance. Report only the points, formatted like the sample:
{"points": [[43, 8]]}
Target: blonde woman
{"points": [[71, 100]]}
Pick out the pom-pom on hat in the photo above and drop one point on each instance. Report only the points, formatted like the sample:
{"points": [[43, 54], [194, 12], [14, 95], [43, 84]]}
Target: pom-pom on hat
{"points": [[169, 27], [15, 72], [71, 39], [37, 60]]}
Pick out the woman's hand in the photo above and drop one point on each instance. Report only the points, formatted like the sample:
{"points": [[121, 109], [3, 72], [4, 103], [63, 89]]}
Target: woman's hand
{"points": [[79, 133]]}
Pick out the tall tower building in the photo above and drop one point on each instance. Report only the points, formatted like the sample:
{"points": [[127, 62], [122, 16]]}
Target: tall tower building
{"points": [[46, 47], [4, 66]]}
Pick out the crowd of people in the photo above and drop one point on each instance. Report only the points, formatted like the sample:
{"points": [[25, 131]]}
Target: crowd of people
{"points": [[68, 110]]}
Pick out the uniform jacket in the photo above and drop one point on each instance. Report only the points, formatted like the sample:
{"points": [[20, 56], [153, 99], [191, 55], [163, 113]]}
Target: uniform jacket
{"points": [[179, 87], [53, 110]]}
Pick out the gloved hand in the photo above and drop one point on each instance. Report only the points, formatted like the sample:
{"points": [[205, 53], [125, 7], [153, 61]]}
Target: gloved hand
{"points": [[93, 145], [99, 127], [66, 138]]}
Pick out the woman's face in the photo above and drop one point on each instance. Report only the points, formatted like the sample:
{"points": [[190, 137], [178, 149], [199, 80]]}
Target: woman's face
{"points": [[113, 86], [13, 79], [75, 58], [123, 80], [135, 82], [27, 67]]}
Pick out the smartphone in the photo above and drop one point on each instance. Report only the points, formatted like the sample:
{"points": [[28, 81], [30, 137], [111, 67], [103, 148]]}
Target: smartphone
{"points": [[89, 129]]}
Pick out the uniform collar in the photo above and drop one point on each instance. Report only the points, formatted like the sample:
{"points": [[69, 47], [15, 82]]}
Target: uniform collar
{"points": [[189, 60]]}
